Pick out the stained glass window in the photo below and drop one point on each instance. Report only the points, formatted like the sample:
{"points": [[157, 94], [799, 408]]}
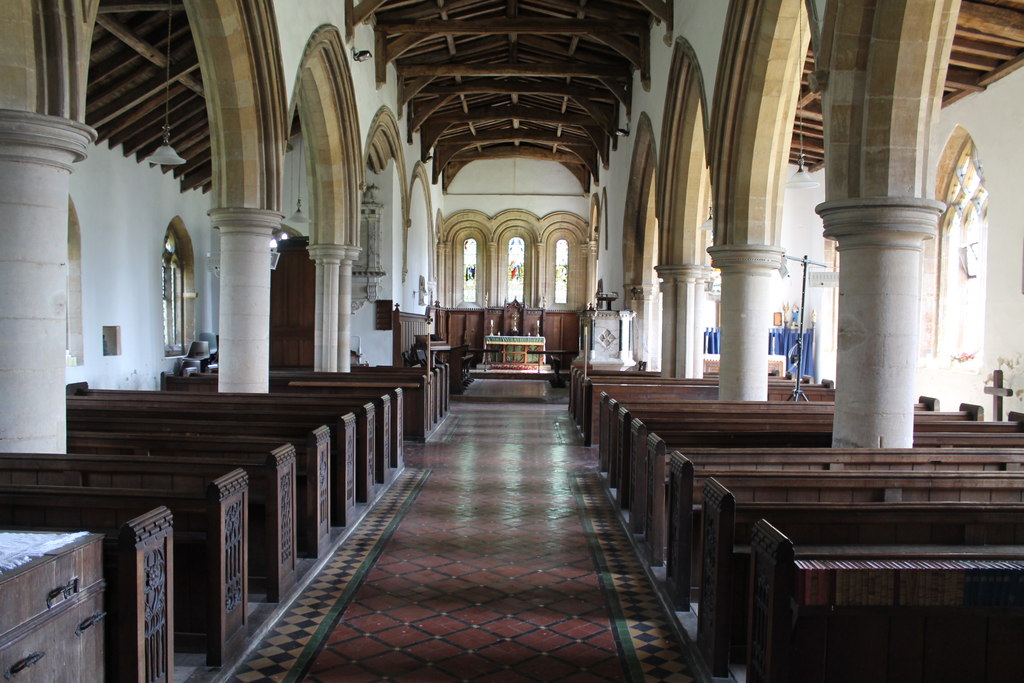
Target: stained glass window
{"points": [[561, 271], [469, 270], [516, 268]]}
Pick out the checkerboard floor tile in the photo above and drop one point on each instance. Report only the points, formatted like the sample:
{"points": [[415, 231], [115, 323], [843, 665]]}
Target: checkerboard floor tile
{"points": [[496, 557]]}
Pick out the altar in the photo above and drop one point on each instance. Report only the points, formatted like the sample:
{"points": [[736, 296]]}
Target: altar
{"points": [[512, 352]]}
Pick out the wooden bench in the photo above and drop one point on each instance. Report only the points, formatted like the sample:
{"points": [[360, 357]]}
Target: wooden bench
{"points": [[669, 390], [727, 523], [210, 531], [293, 424], [311, 490], [272, 517], [877, 619]]}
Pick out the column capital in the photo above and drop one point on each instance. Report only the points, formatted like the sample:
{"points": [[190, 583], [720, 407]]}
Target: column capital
{"points": [[27, 137], [685, 271], [332, 253], [746, 258], [895, 222], [238, 220]]}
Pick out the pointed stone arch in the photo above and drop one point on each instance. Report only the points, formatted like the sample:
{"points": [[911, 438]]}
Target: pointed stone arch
{"points": [[751, 125], [684, 177], [684, 190], [384, 144], [240, 58], [422, 176], [639, 225], [883, 92], [326, 104], [46, 56], [75, 335]]}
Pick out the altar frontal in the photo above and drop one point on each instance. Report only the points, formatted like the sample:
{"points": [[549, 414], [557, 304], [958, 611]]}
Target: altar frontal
{"points": [[508, 352]]}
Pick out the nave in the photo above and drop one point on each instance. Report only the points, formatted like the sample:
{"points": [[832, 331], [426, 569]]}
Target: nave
{"points": [[496, 557]]}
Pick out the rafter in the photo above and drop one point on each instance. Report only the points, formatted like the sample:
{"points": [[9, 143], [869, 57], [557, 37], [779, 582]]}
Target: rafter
{"points": [[513, 25], [146, 50], [996, 21], [609, 72]]}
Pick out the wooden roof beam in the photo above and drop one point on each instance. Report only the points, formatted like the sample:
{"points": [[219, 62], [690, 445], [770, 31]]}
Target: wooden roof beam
{"points": [[997, 21], [606, 72], [149, 52], [515, 25], [357, 14]]}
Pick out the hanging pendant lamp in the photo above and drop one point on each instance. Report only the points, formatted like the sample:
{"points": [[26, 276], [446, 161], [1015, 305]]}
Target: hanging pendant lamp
{"points": [[298, 216], [801, 180], [165, 154]]}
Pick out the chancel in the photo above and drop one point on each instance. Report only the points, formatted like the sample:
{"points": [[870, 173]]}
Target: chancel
{"points": [[454, 340]]}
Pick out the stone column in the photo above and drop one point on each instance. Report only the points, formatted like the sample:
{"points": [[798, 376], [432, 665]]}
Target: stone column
{"points": [[244, 349], [348, 255], [746, 269], [880, 240], [682, 287], [36, 154], [447, 293], [590, 286], [328, 259], [700, 305]]}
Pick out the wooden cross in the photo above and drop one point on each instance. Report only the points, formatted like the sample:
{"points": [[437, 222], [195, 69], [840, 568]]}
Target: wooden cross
{"points": [[997, 391]]}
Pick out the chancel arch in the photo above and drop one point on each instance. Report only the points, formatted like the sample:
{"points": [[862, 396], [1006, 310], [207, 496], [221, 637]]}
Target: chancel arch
{"points": [[75, 337], [684, 207]]}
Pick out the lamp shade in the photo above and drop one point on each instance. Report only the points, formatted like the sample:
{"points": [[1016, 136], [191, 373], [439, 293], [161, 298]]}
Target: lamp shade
{"points": [[801, 180], [165, 156]]}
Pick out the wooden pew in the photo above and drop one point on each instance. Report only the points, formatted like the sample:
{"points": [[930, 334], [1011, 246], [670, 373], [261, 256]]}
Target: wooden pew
{"points": [[312, 489], [727, 522], [668, 390], [272, 547], [879, 625], [210, 531], [417, 402], [259, 416]]}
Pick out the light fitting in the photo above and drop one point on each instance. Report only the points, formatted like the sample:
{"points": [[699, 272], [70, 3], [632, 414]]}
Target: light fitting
{"points": [[165, 154], [801, 180], [361, 55], [709, 224], [622, 132], [298, 216]]}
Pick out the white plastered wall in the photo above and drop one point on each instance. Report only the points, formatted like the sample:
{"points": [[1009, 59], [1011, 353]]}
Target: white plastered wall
{"points": [[124, 209], [995, 121]]}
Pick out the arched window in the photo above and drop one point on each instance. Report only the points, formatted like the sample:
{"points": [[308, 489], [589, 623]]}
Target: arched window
{"points": [[561, 271], [469, 248], [177, 289], [962, 266], [173, 288], [516, 268]]}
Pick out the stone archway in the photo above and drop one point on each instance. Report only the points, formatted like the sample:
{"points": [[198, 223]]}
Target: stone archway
{"points": [[879, 104], [641, 239], [763, 51], [421, 178], [326, 105], [685, 201], [240, 58]]}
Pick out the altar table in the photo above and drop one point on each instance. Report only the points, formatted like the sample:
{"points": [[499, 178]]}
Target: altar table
{"points": [[516, 352]]}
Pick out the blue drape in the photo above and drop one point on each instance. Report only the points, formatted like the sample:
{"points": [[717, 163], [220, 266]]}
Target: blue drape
{"points": [[781, 341]]}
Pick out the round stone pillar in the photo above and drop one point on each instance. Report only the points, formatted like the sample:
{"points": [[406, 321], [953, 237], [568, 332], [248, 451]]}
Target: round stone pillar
{"points": [[36, 154], [880, 241], [327, 258], [746, 269], [700, 305], [244, 349], [681, 339], [348, 257]]}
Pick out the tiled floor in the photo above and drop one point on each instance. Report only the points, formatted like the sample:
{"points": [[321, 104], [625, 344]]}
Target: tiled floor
{"points": [[496, 559]]}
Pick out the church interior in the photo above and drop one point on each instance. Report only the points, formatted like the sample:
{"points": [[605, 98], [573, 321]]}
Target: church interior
{"points": [[511, 340]]}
